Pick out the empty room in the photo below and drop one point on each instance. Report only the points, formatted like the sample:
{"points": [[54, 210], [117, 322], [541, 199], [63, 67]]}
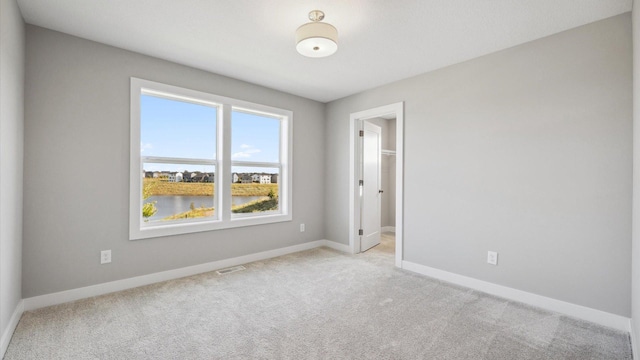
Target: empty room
{"points": [[319, 179]]}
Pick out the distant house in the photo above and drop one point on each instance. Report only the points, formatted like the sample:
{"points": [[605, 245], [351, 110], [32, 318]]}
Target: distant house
{"points": [[203, 178], [171, 177], [255, 178], [156, 174], [197, 177], [236, 178], [274, 178], [186, 176], [246, 179], [178, 177], [265, 179]]}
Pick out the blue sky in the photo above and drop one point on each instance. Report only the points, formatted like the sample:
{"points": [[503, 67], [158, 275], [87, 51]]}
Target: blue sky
{"points": [[171, 128]]}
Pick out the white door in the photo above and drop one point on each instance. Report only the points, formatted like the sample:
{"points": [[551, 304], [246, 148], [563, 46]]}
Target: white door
{"points": [[371, 192]]}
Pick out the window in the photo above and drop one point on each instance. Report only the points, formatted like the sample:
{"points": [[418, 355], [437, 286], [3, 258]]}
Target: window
{"points": [[203, 162]]}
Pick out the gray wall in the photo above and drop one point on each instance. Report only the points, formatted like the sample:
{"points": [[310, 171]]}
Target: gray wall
{"points": [[77, 167], [526, 152], [635, 290], [12, 45]]}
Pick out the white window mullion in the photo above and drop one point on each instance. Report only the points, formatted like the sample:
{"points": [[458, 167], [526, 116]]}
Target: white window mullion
{"points": [[221, 180], [224, 186], [255, 164], [168, 160]]}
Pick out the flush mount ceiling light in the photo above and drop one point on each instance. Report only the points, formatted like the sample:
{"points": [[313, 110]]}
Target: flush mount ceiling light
{"points": [[316, 39]]}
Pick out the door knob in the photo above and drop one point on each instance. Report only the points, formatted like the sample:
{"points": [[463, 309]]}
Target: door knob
{"points": [[380, 191]]}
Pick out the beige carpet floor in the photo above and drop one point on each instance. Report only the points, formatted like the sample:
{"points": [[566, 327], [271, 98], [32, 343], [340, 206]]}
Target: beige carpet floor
{"points": [[317, 304]]}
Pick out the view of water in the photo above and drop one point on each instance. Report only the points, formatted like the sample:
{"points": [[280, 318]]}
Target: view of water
{"points": [[171, 205]]}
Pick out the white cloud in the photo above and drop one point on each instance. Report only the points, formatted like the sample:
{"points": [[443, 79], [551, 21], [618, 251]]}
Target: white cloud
{"points": [[240, 154], [246, 153], [144, 147]]}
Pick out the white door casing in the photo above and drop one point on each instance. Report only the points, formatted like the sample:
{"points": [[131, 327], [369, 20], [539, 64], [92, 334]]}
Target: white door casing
{"points": [[397, 111], [370, 198]]}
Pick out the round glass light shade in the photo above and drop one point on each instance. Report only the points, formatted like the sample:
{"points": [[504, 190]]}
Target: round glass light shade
{"points": [[316, 39]]}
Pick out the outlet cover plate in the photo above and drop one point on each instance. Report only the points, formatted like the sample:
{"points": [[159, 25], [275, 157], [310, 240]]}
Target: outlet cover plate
{"points": [[105, 256], [492, 258]]}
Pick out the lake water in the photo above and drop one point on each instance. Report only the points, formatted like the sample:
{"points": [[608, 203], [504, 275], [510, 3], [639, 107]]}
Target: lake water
{"points": [[171, 205]]}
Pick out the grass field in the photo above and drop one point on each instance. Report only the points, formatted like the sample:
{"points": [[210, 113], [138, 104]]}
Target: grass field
{"points": [[157, 187], [195, 213], [259, 205]]}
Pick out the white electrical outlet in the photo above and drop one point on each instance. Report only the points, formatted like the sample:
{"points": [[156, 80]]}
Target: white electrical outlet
{"points": [[105, 256], [301, 227], [492, 258]]}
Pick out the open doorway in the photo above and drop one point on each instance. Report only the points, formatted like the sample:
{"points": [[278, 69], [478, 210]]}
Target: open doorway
{"points": [[376, 177], [380, 161]]}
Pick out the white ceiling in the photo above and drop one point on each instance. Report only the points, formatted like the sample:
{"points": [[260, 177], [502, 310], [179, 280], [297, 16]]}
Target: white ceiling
{"points": [[380, 41]]}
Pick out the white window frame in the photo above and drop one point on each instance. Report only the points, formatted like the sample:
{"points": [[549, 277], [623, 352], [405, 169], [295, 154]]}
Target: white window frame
{"points": [[223, 163]]}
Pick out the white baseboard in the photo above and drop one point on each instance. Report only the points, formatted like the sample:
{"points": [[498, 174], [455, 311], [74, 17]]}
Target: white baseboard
{"points": [[41, 301], [578, 311], [11, 327], [634, 340], [388, 229], [337, 246]]}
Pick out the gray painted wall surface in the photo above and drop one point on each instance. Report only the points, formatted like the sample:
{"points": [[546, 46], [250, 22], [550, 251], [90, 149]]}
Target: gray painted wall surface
{"points": [[527, 152], [12, 47], [635, 276], [77, 167]]}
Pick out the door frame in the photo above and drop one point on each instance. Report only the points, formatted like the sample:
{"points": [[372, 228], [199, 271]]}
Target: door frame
{"points": [[355, 122]]}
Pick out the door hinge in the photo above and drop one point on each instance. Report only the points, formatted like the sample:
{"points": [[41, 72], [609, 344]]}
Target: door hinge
{"points": [[361, 133], [361, 182], [360, 232]]}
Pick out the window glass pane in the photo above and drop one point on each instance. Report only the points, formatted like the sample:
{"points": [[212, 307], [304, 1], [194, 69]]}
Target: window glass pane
{"points": [[255, 190], [254, 137], [177, 129], [173, 192]]}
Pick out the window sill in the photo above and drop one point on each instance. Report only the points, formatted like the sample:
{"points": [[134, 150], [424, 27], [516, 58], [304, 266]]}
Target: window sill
{"points": [[202, 226]]}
